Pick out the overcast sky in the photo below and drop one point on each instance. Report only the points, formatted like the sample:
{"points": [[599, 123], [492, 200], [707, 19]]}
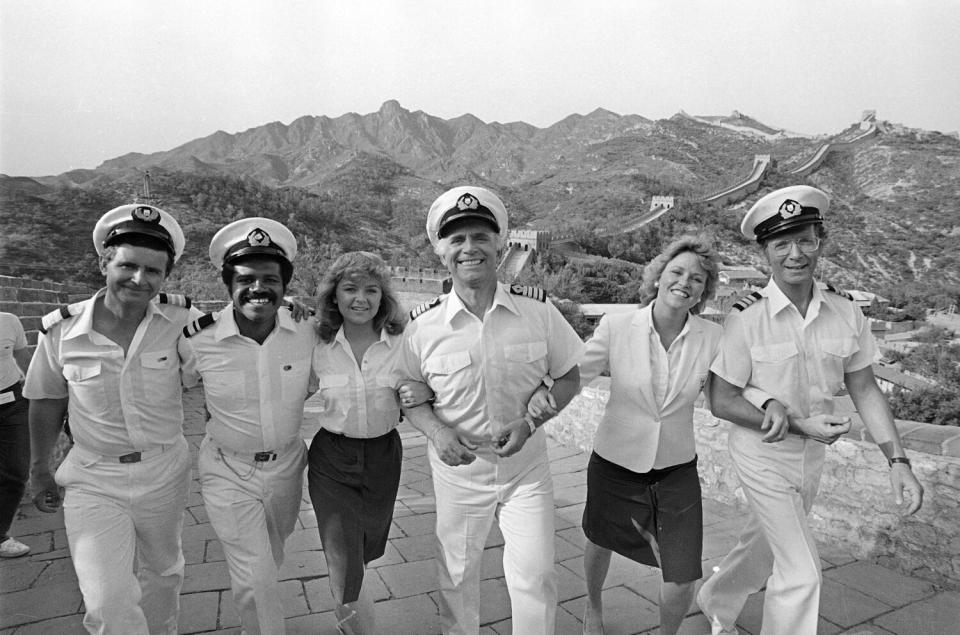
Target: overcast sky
{"points": [[85, 81]]}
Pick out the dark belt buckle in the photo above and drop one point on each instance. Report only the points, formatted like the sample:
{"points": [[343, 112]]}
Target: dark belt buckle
{"points": [[260, 457], [133, 457]]}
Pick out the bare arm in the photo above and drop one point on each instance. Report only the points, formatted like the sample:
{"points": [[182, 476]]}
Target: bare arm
{"points": [[878, 419], [22, 357], [46, 419], [450, 448]]}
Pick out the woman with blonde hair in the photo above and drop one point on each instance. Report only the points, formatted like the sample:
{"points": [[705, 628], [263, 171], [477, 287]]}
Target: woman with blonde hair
{"points": [[643, 492], [355, 457]]}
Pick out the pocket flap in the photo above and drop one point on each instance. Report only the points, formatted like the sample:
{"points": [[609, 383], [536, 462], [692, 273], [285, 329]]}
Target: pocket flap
{"points": [[447, 364], [771, 353], [82, 371], [840, 347]]}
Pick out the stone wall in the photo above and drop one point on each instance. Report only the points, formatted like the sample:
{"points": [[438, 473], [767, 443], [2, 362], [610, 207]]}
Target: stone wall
{"points": [[30, 300], [854, 508]]}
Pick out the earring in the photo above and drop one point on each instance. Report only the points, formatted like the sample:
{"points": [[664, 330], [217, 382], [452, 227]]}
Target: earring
{"points": [[656, 285]]}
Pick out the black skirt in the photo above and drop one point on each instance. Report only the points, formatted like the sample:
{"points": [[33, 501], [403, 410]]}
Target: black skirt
{"points": [[655, 517]]}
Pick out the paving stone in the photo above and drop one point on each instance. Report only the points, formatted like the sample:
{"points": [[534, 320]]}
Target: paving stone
{"points": [[574, 535], [194, 551], [66, 624], [890, 587], [214, 551], [205, 577], [302, 565], [417, 615], [569, 585], [410, 578], [198, 612], [18, 574], [565, 550], [422, 547], [33, 605], [494, 601], [417, 525], [495, 537], [293, 598], [835, 555], [202, 531], [573, 513], [390, 556], [623, 611], [572, 463], [570, 495], [57, 572], [846, 606], [937, 615], [229, 618], [491, 565], [302, 540]]}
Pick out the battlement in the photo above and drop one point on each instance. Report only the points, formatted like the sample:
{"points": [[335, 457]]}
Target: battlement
{"points": [[662, 202]]}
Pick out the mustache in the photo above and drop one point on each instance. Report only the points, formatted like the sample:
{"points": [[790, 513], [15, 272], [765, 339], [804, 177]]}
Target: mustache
{"points": [[246, 296]]}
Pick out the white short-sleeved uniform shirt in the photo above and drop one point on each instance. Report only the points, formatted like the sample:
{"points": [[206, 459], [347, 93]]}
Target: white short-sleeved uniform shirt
{"points": [[12, 338], [484, 372], [117, 404], [797, 360], [359, 401], [254, 392]]}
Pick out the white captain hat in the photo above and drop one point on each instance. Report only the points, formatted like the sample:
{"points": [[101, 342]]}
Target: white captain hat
{"points": [[252, 236], [784, 209], [138, 219], [465, 202]]}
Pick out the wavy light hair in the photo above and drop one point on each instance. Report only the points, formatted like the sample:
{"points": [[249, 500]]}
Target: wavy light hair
{"points": [[357, 264], [702, 247]]}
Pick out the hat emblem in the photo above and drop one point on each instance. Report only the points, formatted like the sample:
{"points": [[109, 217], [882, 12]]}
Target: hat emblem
{"points": [[258, 238], [145, 214], [467, 201], [790, 208]]}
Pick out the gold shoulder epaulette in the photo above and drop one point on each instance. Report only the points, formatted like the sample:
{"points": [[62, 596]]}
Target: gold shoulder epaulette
{"points": [[535, 293], [174, 299], [65, 312], [199, 324], [746, 301], [426, 306], [838, 291]]}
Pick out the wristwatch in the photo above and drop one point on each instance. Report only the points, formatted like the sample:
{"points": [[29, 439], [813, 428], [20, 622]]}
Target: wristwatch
{"points": [[898, 459], [532, 425]]}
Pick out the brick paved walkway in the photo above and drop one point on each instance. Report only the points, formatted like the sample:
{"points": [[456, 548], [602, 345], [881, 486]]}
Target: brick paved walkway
{"points": [[39, 595]]}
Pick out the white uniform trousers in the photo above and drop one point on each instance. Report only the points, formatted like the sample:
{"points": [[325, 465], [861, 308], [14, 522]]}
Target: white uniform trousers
{"points": [[776, 547], [253, 508], [123, 524], [519, 491]]}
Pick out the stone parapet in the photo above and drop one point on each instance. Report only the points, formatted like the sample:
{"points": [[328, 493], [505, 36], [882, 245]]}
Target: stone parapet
{"points": [[855, 505]]}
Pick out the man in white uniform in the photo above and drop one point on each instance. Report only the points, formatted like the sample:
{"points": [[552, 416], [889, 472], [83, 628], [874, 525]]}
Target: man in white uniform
{"points": [[254, 360], [112, 361], [785, 352], [484, 349]]}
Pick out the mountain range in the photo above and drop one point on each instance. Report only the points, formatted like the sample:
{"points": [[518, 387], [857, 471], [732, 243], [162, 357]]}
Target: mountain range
{"points": [[370, 178]]}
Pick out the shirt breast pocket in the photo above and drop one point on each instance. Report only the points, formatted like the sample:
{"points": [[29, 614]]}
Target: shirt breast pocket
{"points": [[294, 377], [774, 363], [446, 373], [226, 387], [81, 372], [335, 391], [85, 384], [160, 379], [525, 353], [836, 352]]}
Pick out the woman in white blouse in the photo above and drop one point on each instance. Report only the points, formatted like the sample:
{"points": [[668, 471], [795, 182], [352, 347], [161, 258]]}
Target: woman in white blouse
{"points": [[354, 459], [643, 492]]}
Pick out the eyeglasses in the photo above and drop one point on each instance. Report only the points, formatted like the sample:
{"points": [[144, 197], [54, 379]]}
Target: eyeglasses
{"points": [[783, 246]]}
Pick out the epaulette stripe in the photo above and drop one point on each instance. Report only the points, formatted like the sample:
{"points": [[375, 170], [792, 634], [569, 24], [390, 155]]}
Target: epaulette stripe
{"points": [[426, 306], [174, 299], [55, 317], [746, 301], [199, 324], [534, 293], [840, 292]]}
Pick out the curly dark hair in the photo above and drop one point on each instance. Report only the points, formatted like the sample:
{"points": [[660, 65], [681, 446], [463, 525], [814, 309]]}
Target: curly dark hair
{"points": [[357, 264], [702, 247]]}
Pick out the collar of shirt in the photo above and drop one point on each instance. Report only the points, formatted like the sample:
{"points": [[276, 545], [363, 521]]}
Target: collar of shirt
{"points": [[227, 324], [778, 301], [501, 297], [644, 319], [83, 325], [385, 338]]}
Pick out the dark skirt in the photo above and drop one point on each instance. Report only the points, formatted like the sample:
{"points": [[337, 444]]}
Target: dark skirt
{"points": [[655, 518], [353, 486]]}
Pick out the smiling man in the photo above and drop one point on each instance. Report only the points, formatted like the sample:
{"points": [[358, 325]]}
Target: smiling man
{"points": [[254, 361], [484, 349], [785, 352], [112, 360]]}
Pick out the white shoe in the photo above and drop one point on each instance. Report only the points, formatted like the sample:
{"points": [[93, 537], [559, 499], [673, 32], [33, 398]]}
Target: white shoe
{"points": [[13, 548]]}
